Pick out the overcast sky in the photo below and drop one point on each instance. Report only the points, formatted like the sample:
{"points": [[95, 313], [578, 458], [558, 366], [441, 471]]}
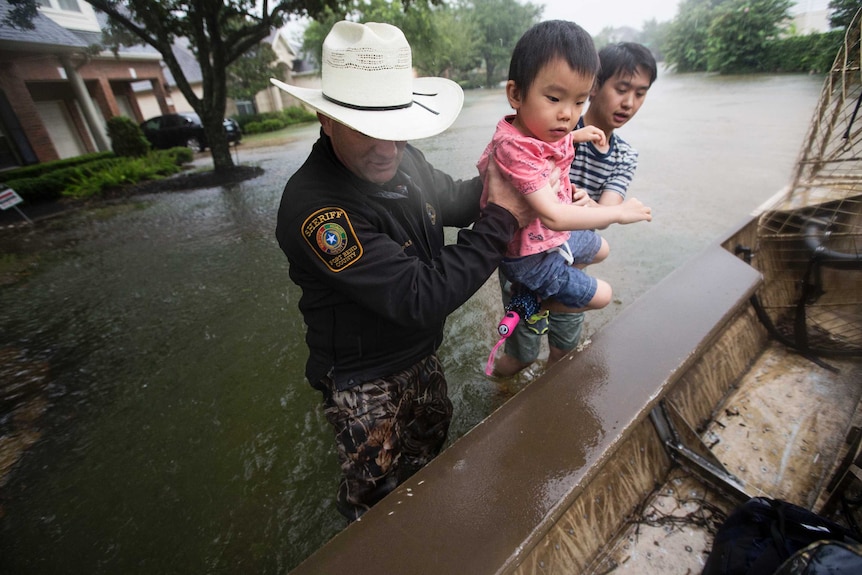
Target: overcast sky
{"points": [[594, 15]]}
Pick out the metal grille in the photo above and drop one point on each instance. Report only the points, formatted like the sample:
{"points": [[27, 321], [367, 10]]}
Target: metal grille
{"points": [[809, 244]]}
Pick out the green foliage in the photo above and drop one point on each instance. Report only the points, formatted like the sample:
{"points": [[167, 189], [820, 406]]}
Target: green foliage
{"points": [[297, 115], [245, 119], [271, 125], [735, 36], [654, 36], [250, 73], [127, 139], [38, 189], [89, 181], [810, 53], [50, 185], [273, 121], [180, 155], [315, 33], [685, 46], [842, 12], [91, 178], [20, 14], [501, 23], [37, 170], [455, 50], [739, 32]]}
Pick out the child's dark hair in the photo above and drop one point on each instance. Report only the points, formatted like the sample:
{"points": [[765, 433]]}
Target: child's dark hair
{"points": [[625, 57], [549, 40]]}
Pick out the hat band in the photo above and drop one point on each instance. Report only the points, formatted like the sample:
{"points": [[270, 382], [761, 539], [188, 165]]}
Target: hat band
{"points": [[381, 108], [371, 108]]}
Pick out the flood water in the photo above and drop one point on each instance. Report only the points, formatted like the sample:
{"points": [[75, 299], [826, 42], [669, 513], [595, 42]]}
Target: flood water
{"points": [[152, 353]]}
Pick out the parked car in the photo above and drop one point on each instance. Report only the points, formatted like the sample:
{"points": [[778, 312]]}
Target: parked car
{"points": [[184, 129]]}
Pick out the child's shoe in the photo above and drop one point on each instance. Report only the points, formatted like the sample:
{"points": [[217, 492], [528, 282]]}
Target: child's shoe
{"points": [[538, 323]]}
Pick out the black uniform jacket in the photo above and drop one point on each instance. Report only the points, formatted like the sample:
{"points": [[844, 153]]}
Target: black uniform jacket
{"points": [[377, 281]]}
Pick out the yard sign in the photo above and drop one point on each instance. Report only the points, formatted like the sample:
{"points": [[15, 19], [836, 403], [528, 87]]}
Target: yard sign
{"points": [[8, 198]]}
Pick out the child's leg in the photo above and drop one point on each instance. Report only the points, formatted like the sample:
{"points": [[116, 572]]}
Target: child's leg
{"points": [[564, 302], [587, 247], [564, 334], [522, 347], [603, 295], [571, 289], [603, 252]]}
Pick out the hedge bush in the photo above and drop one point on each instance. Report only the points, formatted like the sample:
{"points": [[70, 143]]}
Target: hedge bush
{"points": [[44, 188], [264, 121], [812, 53], [127, 138], [269, 125], [37, 170], [298, 115], [181, 155], [91, 178]]}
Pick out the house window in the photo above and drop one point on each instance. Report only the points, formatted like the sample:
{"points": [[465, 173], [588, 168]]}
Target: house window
{"points": [[67, 5], [70, 14], [245, 107], [70, 5]]}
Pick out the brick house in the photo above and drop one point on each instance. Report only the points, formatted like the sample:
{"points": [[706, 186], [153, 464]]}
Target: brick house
{"points": [[299, 70], [55, 95]]}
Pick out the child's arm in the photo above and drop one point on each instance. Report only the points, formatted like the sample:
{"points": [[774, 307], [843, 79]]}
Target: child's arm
{"points": [[566, 217], [590, 134]]}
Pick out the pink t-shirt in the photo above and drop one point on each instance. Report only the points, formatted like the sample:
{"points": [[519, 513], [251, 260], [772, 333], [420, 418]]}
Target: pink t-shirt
{"points": [[523, 160]]}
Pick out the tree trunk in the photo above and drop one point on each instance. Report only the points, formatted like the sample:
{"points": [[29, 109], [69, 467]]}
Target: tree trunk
{"points": [[219, 147], [490, 68]]}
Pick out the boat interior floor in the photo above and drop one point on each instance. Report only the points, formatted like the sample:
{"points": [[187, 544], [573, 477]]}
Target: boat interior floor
{"points": [[789, 430]]}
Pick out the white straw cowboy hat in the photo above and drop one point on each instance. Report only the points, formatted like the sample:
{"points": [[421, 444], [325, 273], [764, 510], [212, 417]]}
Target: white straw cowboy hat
{"points": [[368, 85]]}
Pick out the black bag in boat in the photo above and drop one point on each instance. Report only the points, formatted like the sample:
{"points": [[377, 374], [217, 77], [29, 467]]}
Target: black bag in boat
{"points": [[761, 534]]}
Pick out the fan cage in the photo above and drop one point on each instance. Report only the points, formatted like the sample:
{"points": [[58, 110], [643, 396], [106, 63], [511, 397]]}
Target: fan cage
{"points": [[809, 243]]}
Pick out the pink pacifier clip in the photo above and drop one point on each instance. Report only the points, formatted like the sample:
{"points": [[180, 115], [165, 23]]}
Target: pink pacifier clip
{"points": [[504, 328]]}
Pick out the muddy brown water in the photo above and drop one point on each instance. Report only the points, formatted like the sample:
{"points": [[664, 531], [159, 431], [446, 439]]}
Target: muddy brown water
{"points": [[153, 414]]}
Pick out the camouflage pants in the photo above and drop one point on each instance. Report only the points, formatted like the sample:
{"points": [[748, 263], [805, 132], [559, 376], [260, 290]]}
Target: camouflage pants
{"points": [[386, 429]]}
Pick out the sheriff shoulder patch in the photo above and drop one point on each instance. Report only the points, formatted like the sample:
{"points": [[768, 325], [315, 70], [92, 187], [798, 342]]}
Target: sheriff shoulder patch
{"points": [[330, 235]]}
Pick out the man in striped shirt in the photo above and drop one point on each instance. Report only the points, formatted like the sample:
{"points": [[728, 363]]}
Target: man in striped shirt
{"points": [[600, 176]]}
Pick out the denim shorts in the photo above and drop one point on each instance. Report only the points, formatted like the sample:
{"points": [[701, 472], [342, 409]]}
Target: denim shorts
{"points": [[549, 275]]}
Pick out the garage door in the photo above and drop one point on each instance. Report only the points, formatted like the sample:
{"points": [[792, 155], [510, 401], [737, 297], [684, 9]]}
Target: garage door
{"points": [[59, 125]]}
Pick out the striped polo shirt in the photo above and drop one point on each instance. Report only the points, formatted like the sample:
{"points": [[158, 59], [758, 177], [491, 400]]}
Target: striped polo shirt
{"points": [[597, 172]]}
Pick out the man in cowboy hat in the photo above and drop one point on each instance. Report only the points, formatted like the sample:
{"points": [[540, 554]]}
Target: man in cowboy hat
{"points": [[361, 223]]}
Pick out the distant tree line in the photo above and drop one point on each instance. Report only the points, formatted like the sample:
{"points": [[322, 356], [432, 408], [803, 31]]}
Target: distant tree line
{"points": [[470, 41], [743, 36]]}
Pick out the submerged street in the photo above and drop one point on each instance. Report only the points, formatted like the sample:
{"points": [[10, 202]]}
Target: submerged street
{"points": [[152, 354]]}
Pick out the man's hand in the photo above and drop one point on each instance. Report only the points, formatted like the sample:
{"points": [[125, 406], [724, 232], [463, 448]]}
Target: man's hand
{"points": [[504, 194]]}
